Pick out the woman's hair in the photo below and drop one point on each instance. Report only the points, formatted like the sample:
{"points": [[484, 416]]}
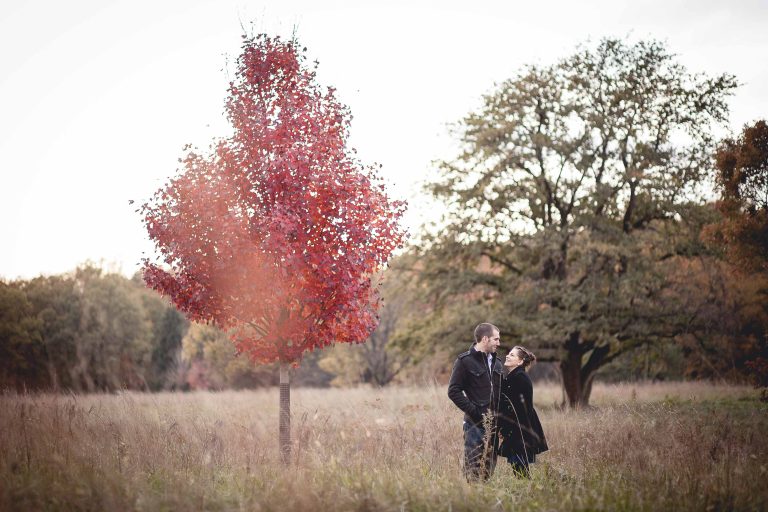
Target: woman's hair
{"points": [[524, 354]]}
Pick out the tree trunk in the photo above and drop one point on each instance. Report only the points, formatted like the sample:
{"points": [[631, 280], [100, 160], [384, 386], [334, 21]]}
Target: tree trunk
{"points": [[53, 375], [577, 383], [285, 413]]}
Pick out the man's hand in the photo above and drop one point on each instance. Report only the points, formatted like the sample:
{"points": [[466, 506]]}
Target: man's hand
{"points": [[479, 414]]}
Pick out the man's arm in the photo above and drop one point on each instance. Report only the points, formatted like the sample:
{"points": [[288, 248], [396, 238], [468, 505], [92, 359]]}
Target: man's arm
{"points": [[456, 388]]}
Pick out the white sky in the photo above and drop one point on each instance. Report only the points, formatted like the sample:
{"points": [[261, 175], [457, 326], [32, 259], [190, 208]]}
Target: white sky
{"points": [[97, 98]]}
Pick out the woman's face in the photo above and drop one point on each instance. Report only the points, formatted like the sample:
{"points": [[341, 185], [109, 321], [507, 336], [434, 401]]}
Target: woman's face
{"points": [[512, 361]]}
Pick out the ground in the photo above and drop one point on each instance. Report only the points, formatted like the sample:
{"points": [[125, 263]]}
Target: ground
{"points": [[672, 446]]}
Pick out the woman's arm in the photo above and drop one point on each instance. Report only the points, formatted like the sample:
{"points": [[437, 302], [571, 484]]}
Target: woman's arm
{"points": [[521, 400]]}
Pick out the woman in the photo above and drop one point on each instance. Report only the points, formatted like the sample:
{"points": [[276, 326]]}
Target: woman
{"points": [[522, 437]]}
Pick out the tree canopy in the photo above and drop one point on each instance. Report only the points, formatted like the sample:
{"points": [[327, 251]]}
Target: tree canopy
{"points": [[742, 176], [275, 235]]}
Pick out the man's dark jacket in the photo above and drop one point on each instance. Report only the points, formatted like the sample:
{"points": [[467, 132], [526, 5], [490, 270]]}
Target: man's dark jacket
{"points": [[473, 388], [518, 421]]}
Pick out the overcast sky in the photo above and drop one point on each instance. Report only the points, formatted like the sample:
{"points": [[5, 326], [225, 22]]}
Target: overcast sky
{"points": [[97, 98]]}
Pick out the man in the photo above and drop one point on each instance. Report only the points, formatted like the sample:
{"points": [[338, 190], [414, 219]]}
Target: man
{"points": [[474, 388]]}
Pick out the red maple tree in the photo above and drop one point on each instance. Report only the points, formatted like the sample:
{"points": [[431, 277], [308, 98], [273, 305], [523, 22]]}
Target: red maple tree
{"points": [[275, 236]]}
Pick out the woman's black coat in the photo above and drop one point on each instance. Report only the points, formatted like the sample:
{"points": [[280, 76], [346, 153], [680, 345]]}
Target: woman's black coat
{"points": [[518, 422]]}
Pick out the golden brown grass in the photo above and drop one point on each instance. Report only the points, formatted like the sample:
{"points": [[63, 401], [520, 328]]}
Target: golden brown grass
{"points": [[689, 446]]}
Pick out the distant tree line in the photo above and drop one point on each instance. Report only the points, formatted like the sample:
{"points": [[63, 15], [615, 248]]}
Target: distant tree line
{"points": [[87, 331], [90, 330], [93, 331]]}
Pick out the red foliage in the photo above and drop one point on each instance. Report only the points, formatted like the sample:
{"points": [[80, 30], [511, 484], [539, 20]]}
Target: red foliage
{"points": [[276, 235]]}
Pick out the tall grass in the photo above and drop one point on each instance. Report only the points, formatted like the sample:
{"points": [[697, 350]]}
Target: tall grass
{"points": [[689, 446]]}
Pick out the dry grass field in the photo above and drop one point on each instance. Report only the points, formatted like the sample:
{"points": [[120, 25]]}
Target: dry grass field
{"points": [[689, 446]]}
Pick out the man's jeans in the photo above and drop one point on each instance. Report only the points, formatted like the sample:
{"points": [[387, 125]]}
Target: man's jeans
{"points": [[479, 456]]}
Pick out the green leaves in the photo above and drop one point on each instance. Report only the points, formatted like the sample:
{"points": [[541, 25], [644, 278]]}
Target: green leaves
{"points": [[568, 194]]}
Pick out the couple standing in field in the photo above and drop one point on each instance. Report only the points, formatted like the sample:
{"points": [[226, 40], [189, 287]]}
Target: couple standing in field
{"points": [[499, 418]]}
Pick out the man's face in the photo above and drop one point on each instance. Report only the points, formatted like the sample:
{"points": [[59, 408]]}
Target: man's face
{"points": [[489, 344]]}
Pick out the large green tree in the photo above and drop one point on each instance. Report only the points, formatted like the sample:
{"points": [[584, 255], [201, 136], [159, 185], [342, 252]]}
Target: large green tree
{"points": [[577, 186]]}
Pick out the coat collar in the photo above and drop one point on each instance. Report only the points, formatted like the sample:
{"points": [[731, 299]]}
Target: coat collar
{"points": [[474, 352]]}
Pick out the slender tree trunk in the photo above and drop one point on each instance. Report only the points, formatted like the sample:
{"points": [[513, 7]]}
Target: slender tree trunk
{"points": [[53, 375], [285, 413]]}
